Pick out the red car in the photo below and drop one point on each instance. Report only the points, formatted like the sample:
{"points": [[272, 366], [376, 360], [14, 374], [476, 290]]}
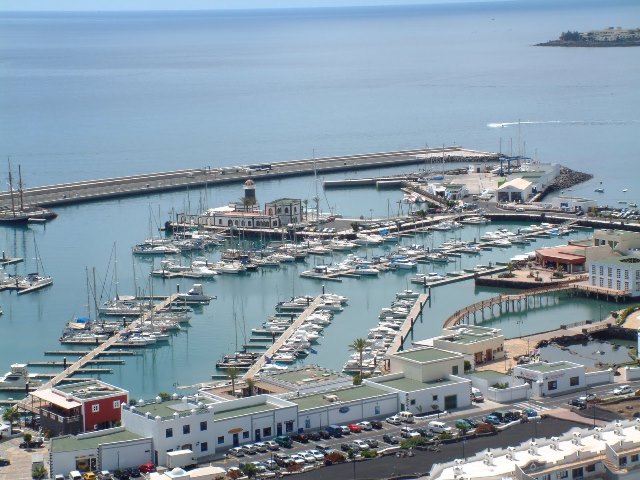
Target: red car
{"points": [[354, 428], [147, 468]]}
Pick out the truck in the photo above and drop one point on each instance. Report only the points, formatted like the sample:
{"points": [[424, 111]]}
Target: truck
{"points": [[180, 459]]}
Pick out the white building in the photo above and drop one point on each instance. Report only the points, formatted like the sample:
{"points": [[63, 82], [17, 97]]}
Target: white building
{"points": [[516, 190], [552, 378], [573, 204], [426, 380], [614, 261], [287, 210], [605, 452], [95, 451], [478, 344]]}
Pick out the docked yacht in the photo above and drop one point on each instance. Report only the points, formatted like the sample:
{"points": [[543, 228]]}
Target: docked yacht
{"points": [[195, 295], [18, 379]]}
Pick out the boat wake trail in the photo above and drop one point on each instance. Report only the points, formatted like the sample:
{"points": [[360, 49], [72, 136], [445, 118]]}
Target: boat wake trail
{"points": [[563, 122]]}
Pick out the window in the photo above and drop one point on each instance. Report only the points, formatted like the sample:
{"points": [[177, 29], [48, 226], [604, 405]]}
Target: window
{"points": [[609, 271], [266, 432], [552, 385], [573, 381], [116, 404], [376, 410], [454, 370], [617, 284], [307, 423], [563, 474], [626, 274], [577, 472], [602, 282], [95, 408], [168, 433], [288, 426], [435, 398], [634, 457], [204, 446], [622, 461], [220, 439], [245, 435], [601, 271], [593, 269], [590, 468], [412, 401], [203, 426], [617, 273], [186, 429]]}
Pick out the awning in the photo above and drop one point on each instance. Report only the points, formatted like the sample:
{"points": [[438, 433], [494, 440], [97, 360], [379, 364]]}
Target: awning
{"points": [[51, 397]]}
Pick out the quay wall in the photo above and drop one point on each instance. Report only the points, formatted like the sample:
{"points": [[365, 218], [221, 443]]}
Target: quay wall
{"points": [[92, 190]]}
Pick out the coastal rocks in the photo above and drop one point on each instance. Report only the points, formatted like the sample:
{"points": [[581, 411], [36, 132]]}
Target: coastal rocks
{"points": [[567, 179]]}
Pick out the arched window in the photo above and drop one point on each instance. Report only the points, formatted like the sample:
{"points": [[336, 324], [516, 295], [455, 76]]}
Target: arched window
{"points": [[219, 221], [271, 211], [242, 223], [286, 209], [236, 222], [249, 223], [230, 223]]}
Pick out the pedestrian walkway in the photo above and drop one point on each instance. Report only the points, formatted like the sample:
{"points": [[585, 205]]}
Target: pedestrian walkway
{"points": [[535, 405]]}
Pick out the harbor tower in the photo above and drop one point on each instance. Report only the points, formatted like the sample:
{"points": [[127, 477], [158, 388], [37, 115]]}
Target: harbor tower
{"points": [[249, 199]]}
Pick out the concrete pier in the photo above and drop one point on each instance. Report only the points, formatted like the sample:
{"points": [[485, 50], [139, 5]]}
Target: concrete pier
{"points": [[93, 190]]}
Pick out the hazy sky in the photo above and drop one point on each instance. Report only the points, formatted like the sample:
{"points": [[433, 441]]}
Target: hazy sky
{"points": [[17, 5]]}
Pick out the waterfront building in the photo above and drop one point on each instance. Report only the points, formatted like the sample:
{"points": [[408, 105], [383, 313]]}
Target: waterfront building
{"points": [[286, 210], [449, 191], [556, 378], [478, 344], [426, 379], [110, 449], [79, 407], [611, 452], [614, 261], [571, 258], [516, 190], [541, 175], [573, 204]]}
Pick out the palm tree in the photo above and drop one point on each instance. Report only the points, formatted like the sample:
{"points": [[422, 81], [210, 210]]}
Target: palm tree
{"points": [[39, 472], [251, 385], [358, 345], [11, 415], [232, 373]]}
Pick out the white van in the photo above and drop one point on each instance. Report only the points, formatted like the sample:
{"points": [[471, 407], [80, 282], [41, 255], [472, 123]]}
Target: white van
{"points": [[75, 475], [439, 427], [476, 395], [406, 417]]}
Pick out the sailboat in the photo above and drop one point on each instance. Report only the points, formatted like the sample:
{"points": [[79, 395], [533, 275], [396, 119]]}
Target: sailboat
{"points": [[21, 214], [34, 281]]}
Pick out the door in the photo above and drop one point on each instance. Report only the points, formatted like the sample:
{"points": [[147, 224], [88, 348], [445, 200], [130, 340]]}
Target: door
{"points": [[450, 402], [489, 355], [236, 440], [257, 435], [279, 429]]}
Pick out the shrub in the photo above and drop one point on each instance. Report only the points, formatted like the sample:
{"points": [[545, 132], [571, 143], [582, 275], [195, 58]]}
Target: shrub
{"points": [[27, 437], [486, 428], [467, 365], [445, 436], [614, 314], [335, 457], [408, 443], [369, 454], [500, 385]]}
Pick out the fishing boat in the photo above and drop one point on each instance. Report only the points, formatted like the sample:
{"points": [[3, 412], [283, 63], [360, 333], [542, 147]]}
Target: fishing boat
{"points": [[195, 295]]}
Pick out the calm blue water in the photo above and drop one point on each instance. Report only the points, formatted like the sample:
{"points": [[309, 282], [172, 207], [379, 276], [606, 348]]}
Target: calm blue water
{"points": [[96, 95]]}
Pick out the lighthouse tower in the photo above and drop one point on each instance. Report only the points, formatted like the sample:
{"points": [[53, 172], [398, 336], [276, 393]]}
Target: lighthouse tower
{"points": [[249, 199]]}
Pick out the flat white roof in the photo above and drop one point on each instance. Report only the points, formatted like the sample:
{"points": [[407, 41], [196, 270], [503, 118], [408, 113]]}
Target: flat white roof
{"points": [[518, 183]]}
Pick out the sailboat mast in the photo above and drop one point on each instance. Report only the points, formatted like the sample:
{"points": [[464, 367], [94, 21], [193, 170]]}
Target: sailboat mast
{"points": [[13, 205], [20, 188]]}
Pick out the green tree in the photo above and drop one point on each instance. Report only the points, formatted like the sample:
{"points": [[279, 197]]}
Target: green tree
{"points": [[359, 345], [355, 226], [249, 469], [39, 472], [27, 437], [164, 396], [11, 415], [232, 373], [251, 385]]}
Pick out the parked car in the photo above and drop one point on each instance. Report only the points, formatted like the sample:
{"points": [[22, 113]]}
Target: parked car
{"points": [[323, 447], [372, 442], [272, 445], [147, 468], [308, 457], [513, 415], [354, 428], [335, 430], [408, 432], [492, 419], [471, 422], [121, 475], [283, 441], [297, 459], [261, 447], [578, 403], [622, 390], [345, 447], [390, 439], [424, 432], [345, 429], [236, 452], [361, 444], [439, 427], [377, 424], [590, 397], [324, 435], [314, 436], [365, 426], [300, 437], [4, 462], [463, 425], [134, 472], [317, 454], [249, 449], [89, 476], [104, 475], [393, 420]]}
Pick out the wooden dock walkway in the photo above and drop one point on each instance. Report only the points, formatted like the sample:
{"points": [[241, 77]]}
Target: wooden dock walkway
{"points": [[457, 278], [79, 365], [251, 373], [407, 326]]}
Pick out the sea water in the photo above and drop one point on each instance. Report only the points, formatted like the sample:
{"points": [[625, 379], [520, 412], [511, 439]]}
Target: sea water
{"points": [[106, 94]]}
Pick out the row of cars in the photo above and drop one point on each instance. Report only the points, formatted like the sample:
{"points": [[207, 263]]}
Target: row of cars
{"points": [[499, 417], [286, 441], [581, 402], [120, 474]]}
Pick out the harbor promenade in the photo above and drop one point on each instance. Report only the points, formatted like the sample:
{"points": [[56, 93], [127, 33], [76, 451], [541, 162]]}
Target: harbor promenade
{"points": [[407, 325], [102, 189]]}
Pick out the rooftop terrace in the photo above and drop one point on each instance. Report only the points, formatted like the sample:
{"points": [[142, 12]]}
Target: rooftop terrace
{"points": [[549, 367], [345, 395], [90, 389], [238, 412], [405, 384], [425, 355]]}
